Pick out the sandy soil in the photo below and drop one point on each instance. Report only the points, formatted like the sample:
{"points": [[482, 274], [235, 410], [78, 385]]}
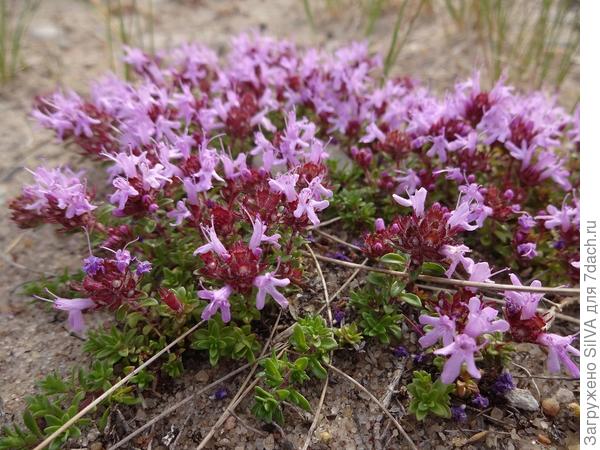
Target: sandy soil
{"points": [[66, 46]]}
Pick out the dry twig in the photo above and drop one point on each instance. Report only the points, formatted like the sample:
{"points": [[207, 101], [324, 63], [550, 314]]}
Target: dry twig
{"points": [[411, 444]]}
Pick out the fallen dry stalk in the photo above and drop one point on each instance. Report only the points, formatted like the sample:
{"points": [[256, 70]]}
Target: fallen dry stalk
{"points": [[455, 282], [113, 388], [411, 444]]}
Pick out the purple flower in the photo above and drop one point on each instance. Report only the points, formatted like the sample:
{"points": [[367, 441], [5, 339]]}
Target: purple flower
{"points": [[438, 148], [234, 168], [443, 328], [408, 181], [123, 259], [221, 394], [527, 250], [503, 384], [285, 184], [481, 320], [458, 413], [559, 348], [258, 236], [526, 302], [526, 222], [460, 218], [419, 358], [480, 272], [92, 265], [123, 192], [373, 134], [564, 218], [462, 350], [143, 267], [400, 352], [318, 190], [309, 206], [62, 185], [481, 402], [338, 316], [180, 213], [219, 300], [456, 255], [213, 244], [74, 307], [379, 224], [416, 201], [268, 284]]}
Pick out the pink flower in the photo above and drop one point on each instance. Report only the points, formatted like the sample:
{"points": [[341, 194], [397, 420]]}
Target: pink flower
{"points": [[527, 250], [480, 272], [373, 134], [481, 320], [563, 218], [123, 192], [559, 348], [234, 168], [62, 185], [268, 284], [219, 300], [460, 218], [443, 327], [456, 255], [416, 201], [285, 184], [527, 302], [379, 224], [258, 236], [319, 191], [462, 350], [213, 244], [180, 213], [309, 206], [75, 308]]}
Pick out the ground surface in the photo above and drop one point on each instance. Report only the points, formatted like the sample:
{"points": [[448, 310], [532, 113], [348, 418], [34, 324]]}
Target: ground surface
{"points": [[66, 46]]}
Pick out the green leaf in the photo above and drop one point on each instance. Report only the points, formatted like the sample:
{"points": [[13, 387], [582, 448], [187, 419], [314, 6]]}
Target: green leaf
{"points": [[434, 269], [283, 394], [411, 299], [395, 260], [299, 400]]}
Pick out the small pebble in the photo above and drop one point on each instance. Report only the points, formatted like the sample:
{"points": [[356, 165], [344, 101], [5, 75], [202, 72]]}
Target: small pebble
{"points": [[229, 423], [564, 396], [96, 446], [551, 407], [543, 439], [325, 436], [522, 399], [574, 408]]}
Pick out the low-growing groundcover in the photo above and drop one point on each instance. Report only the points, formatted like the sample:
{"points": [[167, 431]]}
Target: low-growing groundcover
{"points": [[229, 180]]}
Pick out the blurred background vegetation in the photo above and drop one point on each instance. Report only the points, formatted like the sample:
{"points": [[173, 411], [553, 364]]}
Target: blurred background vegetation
{"points": [[535, 42]]}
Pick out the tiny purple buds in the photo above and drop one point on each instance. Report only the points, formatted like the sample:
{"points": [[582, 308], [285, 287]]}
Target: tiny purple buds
{"points": [[92, 265], [481, 402], [503, 384], [143, 267], [458, 413], [400, 352]]}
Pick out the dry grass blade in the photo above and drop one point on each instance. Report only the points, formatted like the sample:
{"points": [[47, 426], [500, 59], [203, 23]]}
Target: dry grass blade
{"points": [[411, 444], [241, 391], [113, 388], [454, 282], [313, 425], [179, 404]]}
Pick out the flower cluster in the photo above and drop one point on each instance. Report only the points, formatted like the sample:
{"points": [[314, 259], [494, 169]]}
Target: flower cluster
{"points": [[58, 196], [217, 169]]}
